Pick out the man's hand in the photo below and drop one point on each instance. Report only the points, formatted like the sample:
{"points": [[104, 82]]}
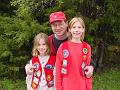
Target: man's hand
{"points": [[88, 71], [29, 69]]}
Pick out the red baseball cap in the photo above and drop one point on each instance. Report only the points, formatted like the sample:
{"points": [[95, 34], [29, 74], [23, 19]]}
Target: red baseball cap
{"points": [[57, 16]]}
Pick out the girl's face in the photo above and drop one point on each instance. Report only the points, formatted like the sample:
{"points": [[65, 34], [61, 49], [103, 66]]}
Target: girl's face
{"points": [[42, 47], [76, 30]]}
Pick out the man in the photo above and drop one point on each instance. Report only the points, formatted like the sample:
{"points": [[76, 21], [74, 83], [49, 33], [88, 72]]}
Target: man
{"points": [[59, 27]]}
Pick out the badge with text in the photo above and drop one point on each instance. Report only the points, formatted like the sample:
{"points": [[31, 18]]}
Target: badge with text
{"points": [[65, 53]]}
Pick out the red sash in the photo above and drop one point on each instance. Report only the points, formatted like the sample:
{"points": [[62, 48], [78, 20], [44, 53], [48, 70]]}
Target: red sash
{"points": [[66, 58], [38, 71]]}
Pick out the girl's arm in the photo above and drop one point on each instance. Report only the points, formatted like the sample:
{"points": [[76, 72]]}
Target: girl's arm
{"points": [[89, 79]]}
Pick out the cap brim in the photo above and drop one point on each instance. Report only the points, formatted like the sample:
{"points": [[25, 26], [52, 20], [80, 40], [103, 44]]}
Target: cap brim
{"points": [[57, 20]]}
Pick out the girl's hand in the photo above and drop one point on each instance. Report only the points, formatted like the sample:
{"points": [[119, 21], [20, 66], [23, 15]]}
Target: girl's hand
{"points": [[29, 69], [88, 71]]}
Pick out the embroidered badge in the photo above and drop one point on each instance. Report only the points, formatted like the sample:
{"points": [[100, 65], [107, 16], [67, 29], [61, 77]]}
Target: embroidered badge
{"points": [[36, 65], [84, 57], [64, 63], [35, 80], [64, 71], [38, 73], [85, 51], [49, 66], [35, 74], [65, 53], [49, 77], [83, 65], [51, 83], [34, 86]]}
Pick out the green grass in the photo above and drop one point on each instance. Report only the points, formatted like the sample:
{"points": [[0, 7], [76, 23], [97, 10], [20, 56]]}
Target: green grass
{"points": [[108, 80], [8, 84]]}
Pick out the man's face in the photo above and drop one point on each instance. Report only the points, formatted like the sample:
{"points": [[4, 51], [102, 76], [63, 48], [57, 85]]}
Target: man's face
{"points": [[59, 27]]}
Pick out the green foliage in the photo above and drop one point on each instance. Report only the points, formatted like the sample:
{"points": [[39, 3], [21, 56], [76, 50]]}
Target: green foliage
{"points": [[9, 84], [6, 8], [16, 37]]}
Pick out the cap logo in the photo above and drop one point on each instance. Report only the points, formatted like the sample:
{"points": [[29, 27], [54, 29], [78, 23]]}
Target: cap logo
{"points": [[55, 16]]}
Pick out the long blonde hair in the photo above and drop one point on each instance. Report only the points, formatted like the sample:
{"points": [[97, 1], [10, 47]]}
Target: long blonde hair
{"points": [[76, 19], [36, 43]]}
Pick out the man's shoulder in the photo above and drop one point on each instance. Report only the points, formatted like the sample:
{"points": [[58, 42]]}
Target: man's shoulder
{"points": [[50, 36], [64, 44]]}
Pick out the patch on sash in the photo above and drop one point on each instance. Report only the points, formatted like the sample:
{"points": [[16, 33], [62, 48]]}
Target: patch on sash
{"points": [[64, 63], [49, 66], [83, 65], [38, 73], [35, 83], [84, 57], [36, 64], [51, 83], [85, 51], [34, 86], [65, 53], [64, 71], [49, 77]]}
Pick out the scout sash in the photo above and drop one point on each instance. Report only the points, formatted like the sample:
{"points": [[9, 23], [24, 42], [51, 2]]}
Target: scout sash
{"points": [[84, 56], [38, 71], [66, 58], [49, 67]]}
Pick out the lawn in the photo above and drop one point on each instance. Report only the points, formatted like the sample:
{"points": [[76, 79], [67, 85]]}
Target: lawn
{"points": [[107, 80]]}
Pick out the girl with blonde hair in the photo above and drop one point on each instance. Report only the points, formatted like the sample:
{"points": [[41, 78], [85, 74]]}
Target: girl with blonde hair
{"points": [[72, 58], [43, 62]]}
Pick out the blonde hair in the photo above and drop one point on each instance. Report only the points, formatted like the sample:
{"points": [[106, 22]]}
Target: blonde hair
{"points": [[36, 43], [76, 19]]}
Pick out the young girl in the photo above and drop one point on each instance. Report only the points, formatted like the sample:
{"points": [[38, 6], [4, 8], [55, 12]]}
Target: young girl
{"points": [[72, 58], [43, 63]]}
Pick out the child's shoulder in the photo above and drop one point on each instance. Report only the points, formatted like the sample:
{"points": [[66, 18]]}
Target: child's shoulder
{"points": [[88, 45], [34, 57], [64, 43], [52, 55]]}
